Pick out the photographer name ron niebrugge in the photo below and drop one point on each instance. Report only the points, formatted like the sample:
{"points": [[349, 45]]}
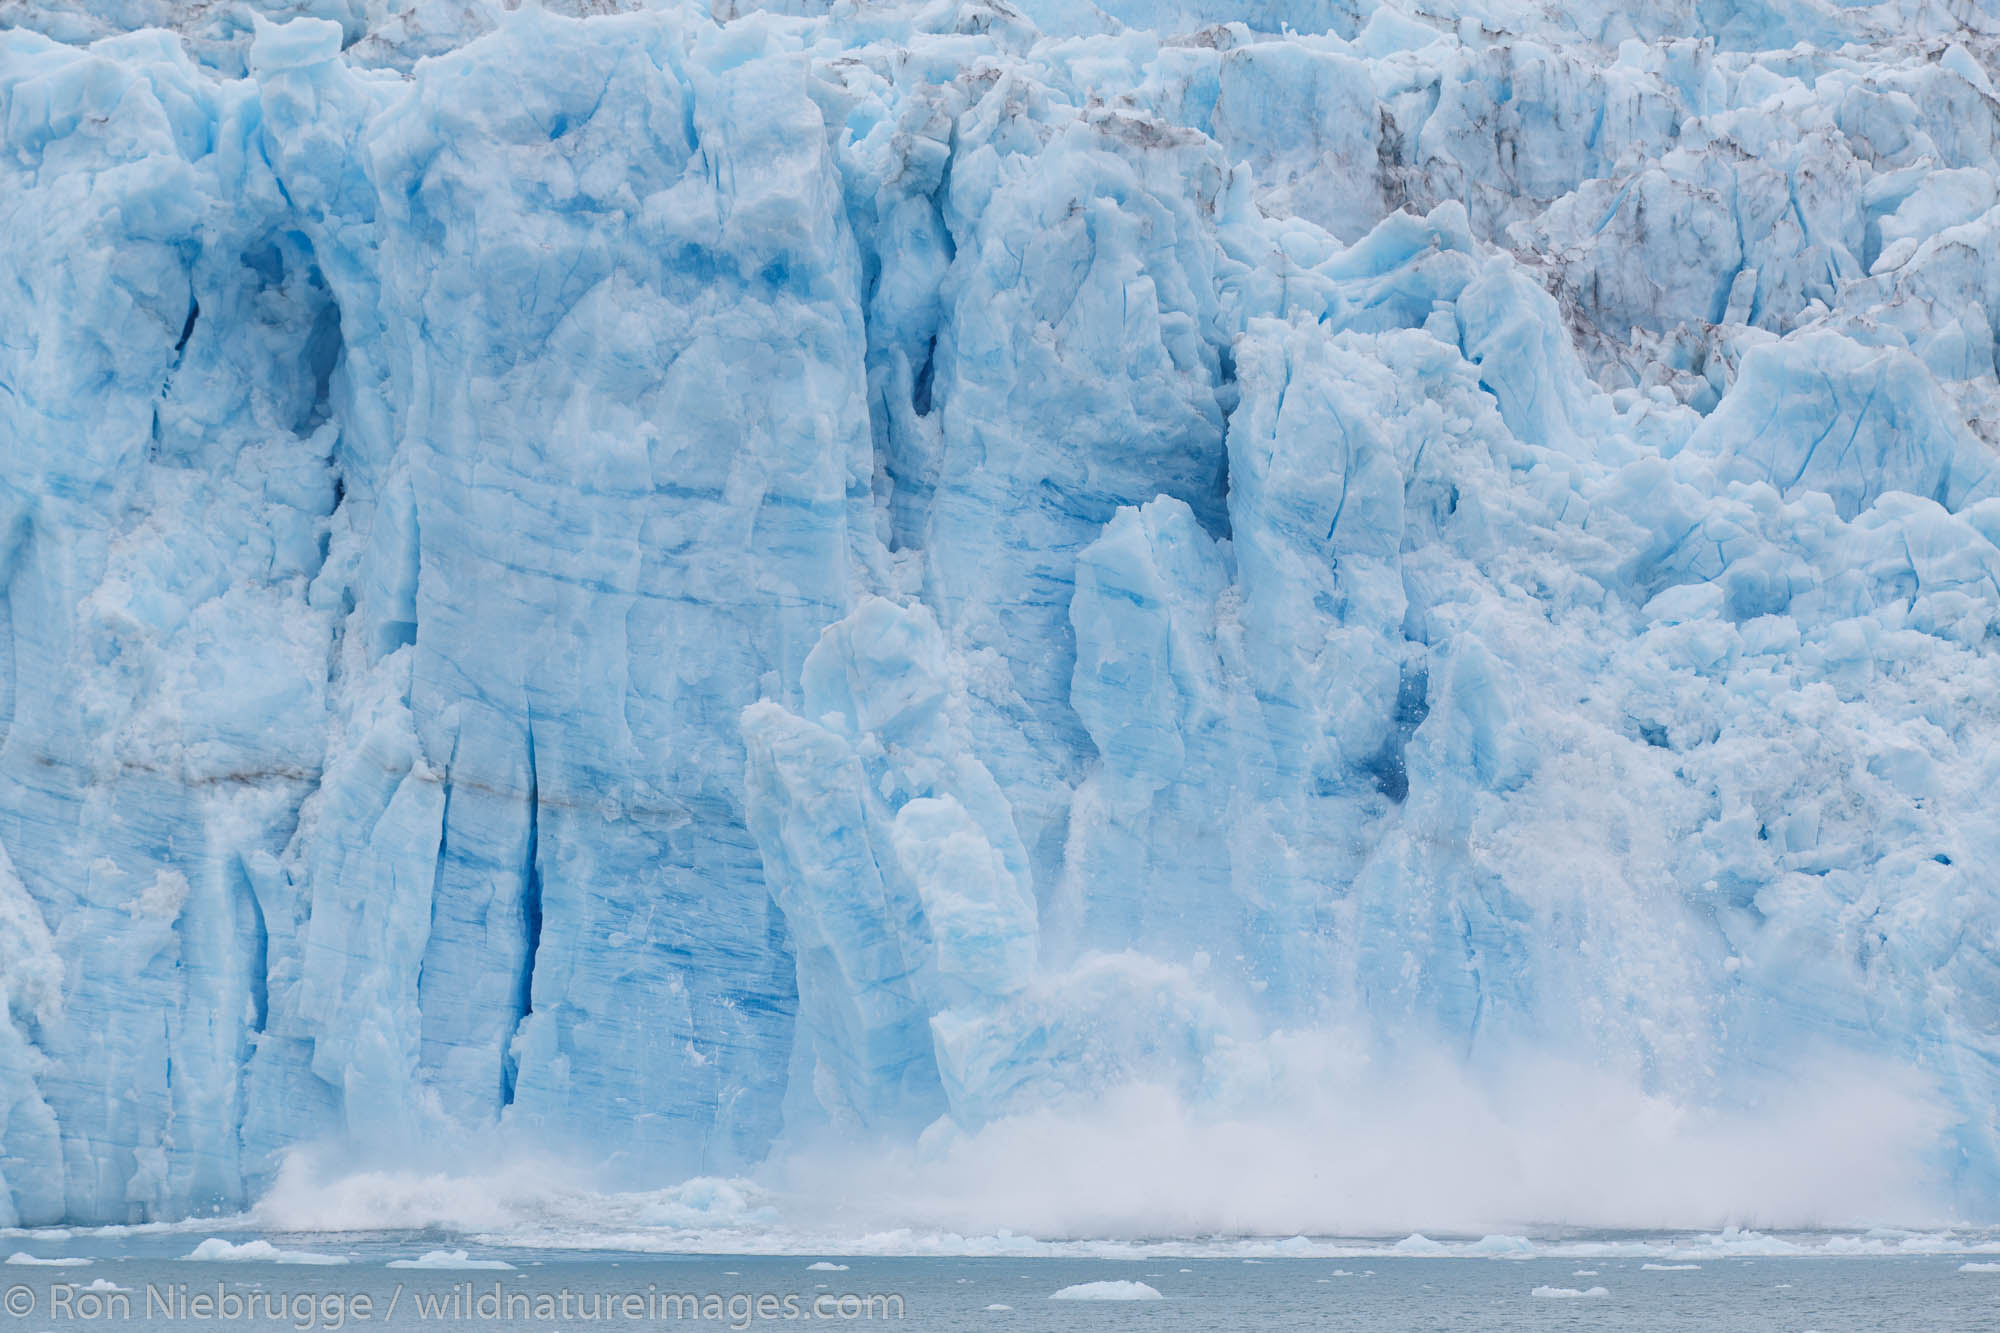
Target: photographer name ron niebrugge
{"points": [[465, 1302]]}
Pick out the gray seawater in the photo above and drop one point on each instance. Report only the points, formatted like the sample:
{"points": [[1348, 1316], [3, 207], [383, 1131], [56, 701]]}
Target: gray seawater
{"points": [[158, 1291]]}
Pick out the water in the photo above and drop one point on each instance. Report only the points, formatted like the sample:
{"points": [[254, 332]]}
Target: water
{"points": [[548, 1291]]}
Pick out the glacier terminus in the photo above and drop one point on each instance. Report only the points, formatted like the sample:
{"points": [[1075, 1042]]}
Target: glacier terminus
{"points": [[669, 581]]}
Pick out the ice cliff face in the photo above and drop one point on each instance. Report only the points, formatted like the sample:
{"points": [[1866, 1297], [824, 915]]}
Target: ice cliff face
{"points": [[673, 578]]}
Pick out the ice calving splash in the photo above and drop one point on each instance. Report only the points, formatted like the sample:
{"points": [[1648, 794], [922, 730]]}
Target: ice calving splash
{"points": [[720, 586]]}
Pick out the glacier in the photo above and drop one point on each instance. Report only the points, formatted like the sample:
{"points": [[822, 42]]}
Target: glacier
{"points": [[671, 579]]}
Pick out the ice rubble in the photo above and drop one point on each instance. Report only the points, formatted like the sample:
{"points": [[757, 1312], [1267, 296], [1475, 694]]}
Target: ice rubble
{"points": [[674, 577]]}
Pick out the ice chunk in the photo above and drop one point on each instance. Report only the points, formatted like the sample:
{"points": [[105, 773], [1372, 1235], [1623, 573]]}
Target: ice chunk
{"points": [[217, 1250], [23, 1258], [1107, 1291], [1822, 412], [449, 1259]]}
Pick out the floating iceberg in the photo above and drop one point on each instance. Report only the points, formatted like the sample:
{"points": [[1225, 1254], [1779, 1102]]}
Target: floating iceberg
{"points": [[1108, 1291], [449, 1259], [216, 1250], [23, 1259]]}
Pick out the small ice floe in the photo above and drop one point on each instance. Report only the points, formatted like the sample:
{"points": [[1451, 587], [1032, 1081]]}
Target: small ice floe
{"points": [[825, 1267], [450, 1259], [22, 1257], [999, 1307], [1108, 1291], [1963, 1268], [1668, 1268], [1567, 1293], [103, 1286], [217, 1250], [1584, 1272]]}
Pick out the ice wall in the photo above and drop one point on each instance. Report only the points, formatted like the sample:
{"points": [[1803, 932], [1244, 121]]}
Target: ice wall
{"points": [[676, 579]]}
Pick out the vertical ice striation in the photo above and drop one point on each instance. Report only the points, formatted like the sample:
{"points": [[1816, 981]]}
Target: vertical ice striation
{"points": [[893, 855], [662, 575]]}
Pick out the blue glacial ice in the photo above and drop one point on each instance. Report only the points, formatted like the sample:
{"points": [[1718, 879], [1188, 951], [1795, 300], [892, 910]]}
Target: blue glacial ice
{"points": [[666, 580]]}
